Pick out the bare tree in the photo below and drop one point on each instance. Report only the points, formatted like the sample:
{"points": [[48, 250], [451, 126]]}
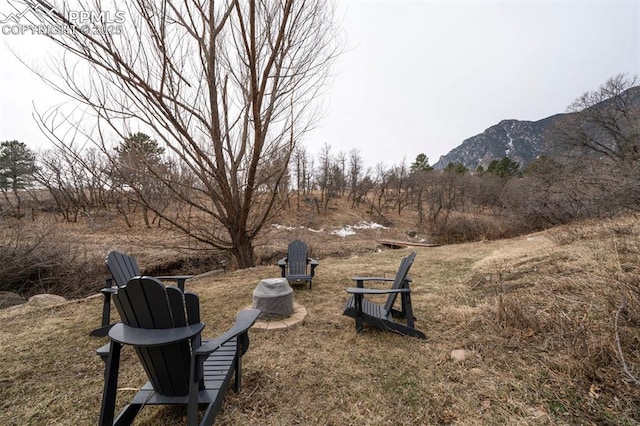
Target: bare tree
{"points": [[604, 122], [399, 184], [359, 181], [300, 164], [323, 178], [383, 193], [443, 194], [355, 171], [227, 87], [600, 141], [75, 181], [340, 173]]}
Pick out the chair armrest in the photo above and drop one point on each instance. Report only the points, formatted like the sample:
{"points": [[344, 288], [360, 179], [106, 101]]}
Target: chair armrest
{"points": [[282, 263], [173, 277], [371, 279], [127, 335], [313, 263], [359, 290], [104, 350], [108, 283], [179, 279], [109, 290], [244, 321], [360, 280]]}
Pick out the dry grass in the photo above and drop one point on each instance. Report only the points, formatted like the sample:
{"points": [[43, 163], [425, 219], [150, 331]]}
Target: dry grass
{"points": [[536, 314]]}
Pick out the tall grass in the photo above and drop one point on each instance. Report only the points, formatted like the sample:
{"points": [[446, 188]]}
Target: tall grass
{"points": [[573, 317]]}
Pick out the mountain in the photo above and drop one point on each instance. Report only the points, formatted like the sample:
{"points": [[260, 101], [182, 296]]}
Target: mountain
{"points": [[524, 141], [521, 141]]}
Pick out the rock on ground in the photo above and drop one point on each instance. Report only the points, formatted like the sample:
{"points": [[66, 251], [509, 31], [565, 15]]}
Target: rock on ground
{"points": [[46, 300], [9, 298]]}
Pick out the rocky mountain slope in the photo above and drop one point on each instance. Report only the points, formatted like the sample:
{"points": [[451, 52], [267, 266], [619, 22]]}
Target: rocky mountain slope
{"points": [[521, 141], [524, 141]]}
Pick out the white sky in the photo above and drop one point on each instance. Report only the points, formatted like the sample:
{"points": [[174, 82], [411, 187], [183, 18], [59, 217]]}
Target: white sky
{"points": [[422, 76]]}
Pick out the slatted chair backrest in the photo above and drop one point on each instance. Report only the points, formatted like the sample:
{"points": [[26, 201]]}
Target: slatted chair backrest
{"points": [[400, 280], [297, 257], [144, 302], [122, 267]]}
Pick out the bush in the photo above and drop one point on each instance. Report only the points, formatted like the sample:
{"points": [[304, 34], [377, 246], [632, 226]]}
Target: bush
{"points": [[464, 227], [39, 260]]}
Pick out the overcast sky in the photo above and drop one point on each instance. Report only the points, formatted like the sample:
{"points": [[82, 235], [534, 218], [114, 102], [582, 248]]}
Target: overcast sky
{"points": [[422, 76]]}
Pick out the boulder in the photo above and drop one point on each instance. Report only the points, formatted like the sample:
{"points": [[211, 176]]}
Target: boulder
{"points": [[9, 298], [46, 300]]}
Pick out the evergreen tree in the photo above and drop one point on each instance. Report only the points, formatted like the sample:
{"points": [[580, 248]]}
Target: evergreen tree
{"points": [[421, 163], [17, 165], [456, 168], [139, 147], [504, 168]]}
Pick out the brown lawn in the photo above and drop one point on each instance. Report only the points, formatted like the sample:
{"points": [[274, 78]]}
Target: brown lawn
{"points": [[536, 315]]}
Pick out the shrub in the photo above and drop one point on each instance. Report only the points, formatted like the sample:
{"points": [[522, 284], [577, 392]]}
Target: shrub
{"points": [[40, 260]]}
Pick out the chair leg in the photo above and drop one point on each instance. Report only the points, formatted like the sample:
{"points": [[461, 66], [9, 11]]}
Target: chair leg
{"points": [[194, 387], [128, 414], [237, 382], [110, 385], [181, 284], [407, 309], [358, 305], [106, 311]]}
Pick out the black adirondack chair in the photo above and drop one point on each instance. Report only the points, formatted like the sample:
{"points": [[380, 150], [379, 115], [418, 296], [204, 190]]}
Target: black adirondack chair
{"points": [[382, 316], [296, 266], [122, 268], [163, 325]]}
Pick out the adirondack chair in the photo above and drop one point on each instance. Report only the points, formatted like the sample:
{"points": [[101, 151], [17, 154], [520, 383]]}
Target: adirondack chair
{"points": [[296, 266], [122, 268], [163, 325], [382, 316]]}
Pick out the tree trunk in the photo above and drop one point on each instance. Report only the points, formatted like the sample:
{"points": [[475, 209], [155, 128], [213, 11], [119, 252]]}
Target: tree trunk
{"points": [[145, 215], [18, 201], [243, 250]]}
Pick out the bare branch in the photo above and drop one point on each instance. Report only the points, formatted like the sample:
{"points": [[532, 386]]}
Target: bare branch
{"points": [[227, 87]]}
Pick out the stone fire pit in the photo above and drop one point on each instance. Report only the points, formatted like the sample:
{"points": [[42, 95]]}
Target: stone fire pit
{"points": [[274, 297]]}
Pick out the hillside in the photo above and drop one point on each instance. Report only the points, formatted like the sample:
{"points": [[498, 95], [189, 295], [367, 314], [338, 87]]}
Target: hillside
{"points": [[521, 141], [524, 141], [539, 319]]}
